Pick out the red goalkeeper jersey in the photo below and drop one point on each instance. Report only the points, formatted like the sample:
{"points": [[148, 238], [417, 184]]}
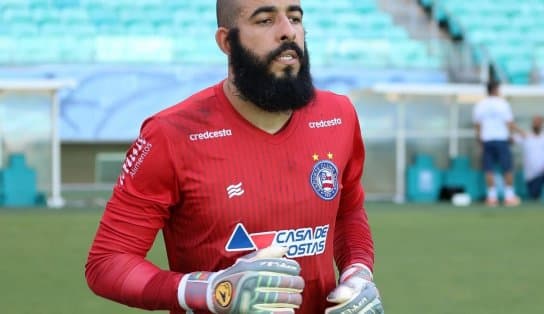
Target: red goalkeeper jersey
{"points": [[219, 188]]}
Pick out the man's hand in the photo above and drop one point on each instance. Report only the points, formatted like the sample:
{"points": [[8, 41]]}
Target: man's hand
{"points": [[356, 293], [261, 282]]}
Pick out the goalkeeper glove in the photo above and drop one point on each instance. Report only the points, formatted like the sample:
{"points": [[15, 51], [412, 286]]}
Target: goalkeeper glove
{"points": [[261, 282], [356, 293]]}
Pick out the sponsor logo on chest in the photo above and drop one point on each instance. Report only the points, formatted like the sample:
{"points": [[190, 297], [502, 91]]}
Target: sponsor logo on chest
{"points": [[325, 123], [304, 241], [210, 135]]}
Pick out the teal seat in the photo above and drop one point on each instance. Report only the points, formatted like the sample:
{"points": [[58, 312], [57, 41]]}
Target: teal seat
{"points": [[460, 174], [18, 184], [518, 70], [427, 4], [423, 180], [519, 185]]}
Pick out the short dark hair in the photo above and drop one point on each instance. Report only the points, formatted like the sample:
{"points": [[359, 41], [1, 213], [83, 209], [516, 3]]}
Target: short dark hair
{"points": [[492, 86], [227, 11]]}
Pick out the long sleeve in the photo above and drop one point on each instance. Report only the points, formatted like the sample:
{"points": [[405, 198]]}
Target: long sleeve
{"points": [[116, 267], [353, 239]]}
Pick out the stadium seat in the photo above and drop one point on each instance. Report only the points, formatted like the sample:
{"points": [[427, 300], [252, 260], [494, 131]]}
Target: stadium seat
{"points": [[423, 180], [461, 175], [18, 184], [427, 4], [519, 185]]}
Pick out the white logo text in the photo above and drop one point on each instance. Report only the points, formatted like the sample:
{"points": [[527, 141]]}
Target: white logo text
{"points": [[208, 135], [325, 123]]}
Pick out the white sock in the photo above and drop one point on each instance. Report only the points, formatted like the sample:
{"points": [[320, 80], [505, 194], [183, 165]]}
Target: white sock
{"points": [[509, 191], [491, 193]]}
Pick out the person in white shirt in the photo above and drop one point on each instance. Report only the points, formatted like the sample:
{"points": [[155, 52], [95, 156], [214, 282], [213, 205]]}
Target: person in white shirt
{"points": [[494, 123], [532, 145]]}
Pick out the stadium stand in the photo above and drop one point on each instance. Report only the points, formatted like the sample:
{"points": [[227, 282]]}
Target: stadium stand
{"points": [[136, 57], [516, 52], [161, 31]]}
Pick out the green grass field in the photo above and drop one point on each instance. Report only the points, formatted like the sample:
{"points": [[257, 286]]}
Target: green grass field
{"points": [[433, 259]]}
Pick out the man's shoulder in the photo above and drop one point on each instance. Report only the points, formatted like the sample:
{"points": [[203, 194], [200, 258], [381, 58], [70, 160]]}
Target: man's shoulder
{"points": [[491, 103], [199, 101], [329, 94], [484, 102], [492, 100], [328, 98], [331, 106]]}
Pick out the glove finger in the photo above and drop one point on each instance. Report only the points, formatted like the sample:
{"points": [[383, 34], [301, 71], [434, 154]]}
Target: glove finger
{"points": [[340, 294], [374, 307], [274, 265], [278, 300], [346, 290], [359, 302], [272, 251], [357, 283], [274, 311], [271, 282]]}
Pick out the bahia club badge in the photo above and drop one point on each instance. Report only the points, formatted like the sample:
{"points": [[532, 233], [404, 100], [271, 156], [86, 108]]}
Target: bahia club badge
{"points": [[324, 177]]}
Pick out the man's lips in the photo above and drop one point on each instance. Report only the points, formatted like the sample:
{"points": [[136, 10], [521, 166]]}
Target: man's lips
{"points": [[287, 57]]}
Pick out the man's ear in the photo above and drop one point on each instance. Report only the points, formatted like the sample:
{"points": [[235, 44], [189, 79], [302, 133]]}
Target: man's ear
{"points": [[221, 38]]}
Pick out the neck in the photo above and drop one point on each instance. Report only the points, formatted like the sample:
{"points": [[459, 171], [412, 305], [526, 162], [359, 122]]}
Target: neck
{"points": [[270, 122]]}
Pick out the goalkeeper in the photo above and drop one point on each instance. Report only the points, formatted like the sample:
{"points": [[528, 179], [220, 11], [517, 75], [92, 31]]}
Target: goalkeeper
{"points": [[255, 183]]}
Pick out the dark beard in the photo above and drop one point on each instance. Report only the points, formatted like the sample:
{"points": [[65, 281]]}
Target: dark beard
{"points": [[255, 82]]}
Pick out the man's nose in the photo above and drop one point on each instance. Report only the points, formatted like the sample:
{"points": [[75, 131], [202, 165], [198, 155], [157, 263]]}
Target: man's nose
{"points": [[286, 32]]}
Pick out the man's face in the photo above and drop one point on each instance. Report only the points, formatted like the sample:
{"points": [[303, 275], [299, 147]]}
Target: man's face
{"points": [[265, 24], [269, 58]]}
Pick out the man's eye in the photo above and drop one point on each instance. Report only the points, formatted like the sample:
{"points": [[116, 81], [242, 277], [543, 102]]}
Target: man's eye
{"points": [[296, 20], [264, 21]]}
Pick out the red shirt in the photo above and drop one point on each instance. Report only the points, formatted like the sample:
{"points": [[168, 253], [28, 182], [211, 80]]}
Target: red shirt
{"points": [[219, 187]]}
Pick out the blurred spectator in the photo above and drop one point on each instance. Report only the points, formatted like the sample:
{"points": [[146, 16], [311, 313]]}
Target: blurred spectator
{"points": [[494, 122], [532, 144]]}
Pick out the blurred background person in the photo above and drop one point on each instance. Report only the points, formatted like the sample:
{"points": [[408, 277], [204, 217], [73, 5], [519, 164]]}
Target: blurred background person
{"points": [[494, 123], [532, 145]]}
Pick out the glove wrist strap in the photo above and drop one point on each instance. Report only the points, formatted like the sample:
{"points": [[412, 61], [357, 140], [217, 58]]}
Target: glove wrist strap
{"points": [[359, 269], [193, 290]]}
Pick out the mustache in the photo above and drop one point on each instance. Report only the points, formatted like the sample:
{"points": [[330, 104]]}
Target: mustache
{"points": [[284, 47]]}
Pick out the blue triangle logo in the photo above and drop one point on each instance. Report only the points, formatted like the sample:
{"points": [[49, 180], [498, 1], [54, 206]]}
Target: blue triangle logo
{"points": [[240, 240]]}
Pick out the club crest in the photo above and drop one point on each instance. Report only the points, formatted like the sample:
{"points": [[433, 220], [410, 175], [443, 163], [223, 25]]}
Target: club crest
{"points": [[324, 179]]}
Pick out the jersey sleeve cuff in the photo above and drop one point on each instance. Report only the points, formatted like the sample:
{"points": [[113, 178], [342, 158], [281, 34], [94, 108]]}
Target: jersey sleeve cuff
{"points": [[192, 291]]}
